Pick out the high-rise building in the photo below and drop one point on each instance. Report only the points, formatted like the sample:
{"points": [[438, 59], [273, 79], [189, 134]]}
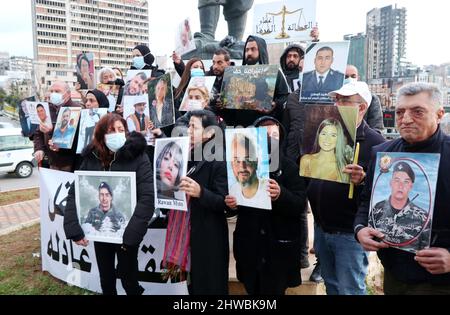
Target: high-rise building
{"points": [[62, 29], [4, 62], [386, 42], [358, 54], [24, 64]]}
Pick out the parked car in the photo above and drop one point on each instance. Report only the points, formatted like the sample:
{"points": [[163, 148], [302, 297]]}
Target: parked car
{"points": [[16, 153]]}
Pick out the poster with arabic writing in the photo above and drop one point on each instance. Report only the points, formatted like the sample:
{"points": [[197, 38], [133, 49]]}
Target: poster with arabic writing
{"points": [[284, 21]]}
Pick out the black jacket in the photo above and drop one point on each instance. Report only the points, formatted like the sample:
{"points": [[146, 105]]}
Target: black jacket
{"points": [[266, 243], [336, 212], [209, 230], [294, 123], [130, 158], [401, 264], [374, 115]]}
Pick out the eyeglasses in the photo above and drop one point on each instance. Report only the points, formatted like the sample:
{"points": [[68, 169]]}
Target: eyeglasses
{"points": [[353, 76]]}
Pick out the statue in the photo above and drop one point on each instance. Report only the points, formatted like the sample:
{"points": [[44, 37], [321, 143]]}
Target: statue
{"points": [[235, 13]]}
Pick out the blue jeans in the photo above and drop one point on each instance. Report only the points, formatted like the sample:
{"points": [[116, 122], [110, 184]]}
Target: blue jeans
{"points": [[343, 262]]}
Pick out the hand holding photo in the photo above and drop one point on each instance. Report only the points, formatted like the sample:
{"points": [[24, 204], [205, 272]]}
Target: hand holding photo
{"points": [[403, 195], [248, 167], [105, 203], [170, 164]]}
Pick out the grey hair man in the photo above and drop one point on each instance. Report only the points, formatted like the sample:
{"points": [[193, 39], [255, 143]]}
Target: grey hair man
{"points": [[419, 111]]}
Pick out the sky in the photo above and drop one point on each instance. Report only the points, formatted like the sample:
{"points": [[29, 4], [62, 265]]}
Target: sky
{"points": [[425, 25]]}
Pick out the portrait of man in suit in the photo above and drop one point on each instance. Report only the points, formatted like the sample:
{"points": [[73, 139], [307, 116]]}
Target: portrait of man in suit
{"points": [[323, 79]]}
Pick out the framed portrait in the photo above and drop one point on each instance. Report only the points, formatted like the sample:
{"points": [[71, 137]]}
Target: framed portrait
{"points": [[88, 121], [328, 142], [198, 93], [249, 87], [324, 71], [184, 41], [85, 71], [248, 166], [105, 203], [66, 127], [169, 166], [160, 100], [136, 82], [39, 113], [403, 195], [284, 21], [136, 112]]}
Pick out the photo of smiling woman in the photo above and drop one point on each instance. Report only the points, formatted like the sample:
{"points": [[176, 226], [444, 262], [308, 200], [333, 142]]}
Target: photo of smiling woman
{"points": [[329, 155], [170, 165]]}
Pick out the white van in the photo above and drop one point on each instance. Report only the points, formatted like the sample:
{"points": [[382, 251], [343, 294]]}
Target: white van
{"points": [[16, 153]]}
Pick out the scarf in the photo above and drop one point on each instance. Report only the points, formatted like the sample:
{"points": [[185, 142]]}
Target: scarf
{"points": [[177, 255]]}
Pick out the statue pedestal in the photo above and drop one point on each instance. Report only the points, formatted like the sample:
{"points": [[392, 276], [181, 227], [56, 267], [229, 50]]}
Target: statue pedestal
{"points": [[207, 46]]}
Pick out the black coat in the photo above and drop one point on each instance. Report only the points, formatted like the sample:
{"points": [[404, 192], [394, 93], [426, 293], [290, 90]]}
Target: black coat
{"points": [[401, 264], [209, 230], [266, 243], [294, 123], [130, 158]]}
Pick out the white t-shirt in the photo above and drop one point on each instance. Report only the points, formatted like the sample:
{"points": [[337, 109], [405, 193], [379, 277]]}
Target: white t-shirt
{"points": [[261, 200]]}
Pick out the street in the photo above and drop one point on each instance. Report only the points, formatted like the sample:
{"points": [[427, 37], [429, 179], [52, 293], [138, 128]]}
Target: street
{"points": [[10, 181]]}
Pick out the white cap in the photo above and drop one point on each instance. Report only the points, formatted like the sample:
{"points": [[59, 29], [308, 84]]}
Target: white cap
{"points": [[354, 88]]}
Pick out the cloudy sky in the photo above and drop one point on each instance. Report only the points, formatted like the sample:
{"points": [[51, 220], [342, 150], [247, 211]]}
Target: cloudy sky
{"points": [[426, 25]]}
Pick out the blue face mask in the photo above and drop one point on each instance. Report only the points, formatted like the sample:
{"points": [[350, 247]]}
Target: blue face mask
{"points": [[350, 80], [197, 72], [115, 141], [56, 99], [138, 62]]}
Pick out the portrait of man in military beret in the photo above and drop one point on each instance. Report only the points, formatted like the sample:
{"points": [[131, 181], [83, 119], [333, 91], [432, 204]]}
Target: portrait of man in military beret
{"points": [[398, 217]]}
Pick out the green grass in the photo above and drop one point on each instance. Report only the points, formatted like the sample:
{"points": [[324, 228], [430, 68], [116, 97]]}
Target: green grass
{"points": [[20, 272], [7, 198]]}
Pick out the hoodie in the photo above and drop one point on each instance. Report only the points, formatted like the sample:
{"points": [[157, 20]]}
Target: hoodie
{"points": [[291, 75]]}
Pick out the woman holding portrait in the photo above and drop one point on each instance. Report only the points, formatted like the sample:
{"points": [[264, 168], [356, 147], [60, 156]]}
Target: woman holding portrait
{"points": [[197, 240], [168, 170]]}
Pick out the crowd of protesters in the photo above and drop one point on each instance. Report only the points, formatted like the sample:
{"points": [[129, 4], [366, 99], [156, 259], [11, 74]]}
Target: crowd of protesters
{"points": [[270, 247]]}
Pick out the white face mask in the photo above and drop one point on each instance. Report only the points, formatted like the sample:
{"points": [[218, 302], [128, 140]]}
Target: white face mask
{"points": [[56, 98], [350, 80], [195, 105], [115, 141]]}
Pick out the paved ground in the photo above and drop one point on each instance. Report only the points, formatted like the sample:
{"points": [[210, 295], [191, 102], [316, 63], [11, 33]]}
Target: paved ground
{"points": [[11, 182], [16, 216]]}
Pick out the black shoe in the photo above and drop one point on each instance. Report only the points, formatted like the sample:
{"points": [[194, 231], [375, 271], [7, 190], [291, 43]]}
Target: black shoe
{"points": [[304, 262], [315, 275]]}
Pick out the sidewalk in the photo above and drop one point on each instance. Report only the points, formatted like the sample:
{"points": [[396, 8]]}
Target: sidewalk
{"points": [[19, 215]]}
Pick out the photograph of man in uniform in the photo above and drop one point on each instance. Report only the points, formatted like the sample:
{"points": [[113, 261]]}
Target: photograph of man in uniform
{"points": [[249, 190], [316, 84], [105, 217], [398, 217]]}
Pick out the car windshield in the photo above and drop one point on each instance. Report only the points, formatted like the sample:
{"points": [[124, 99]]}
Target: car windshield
{"points": [[14, 142]]}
